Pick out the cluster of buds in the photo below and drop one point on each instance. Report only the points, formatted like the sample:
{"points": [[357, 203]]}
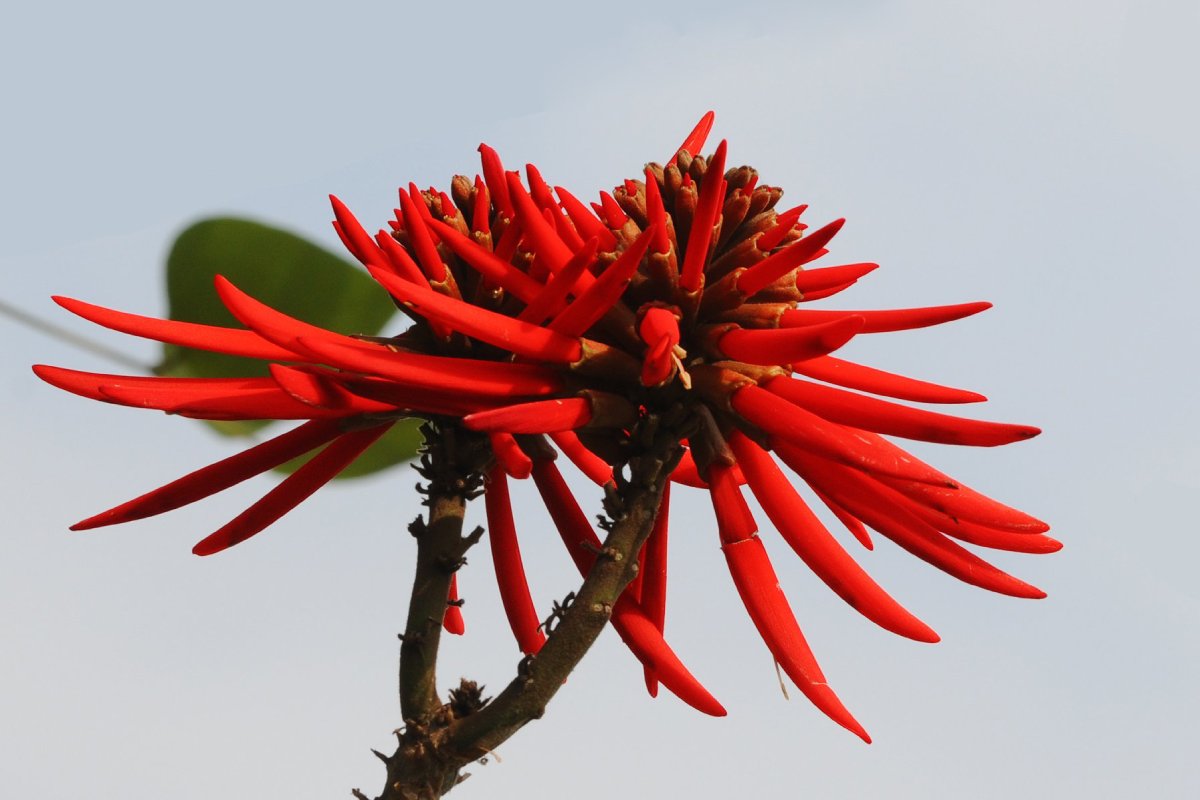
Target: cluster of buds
{"points": [[549, 325]]}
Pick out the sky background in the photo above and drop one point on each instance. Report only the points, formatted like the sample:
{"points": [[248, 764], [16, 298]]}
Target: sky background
{"points": [[1041, 155]]}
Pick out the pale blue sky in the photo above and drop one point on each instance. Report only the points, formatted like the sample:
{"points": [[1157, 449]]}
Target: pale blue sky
{"points": [[1039, 155]]}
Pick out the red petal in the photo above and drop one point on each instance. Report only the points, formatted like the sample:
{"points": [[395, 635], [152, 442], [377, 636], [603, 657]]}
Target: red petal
{"points": [[488, 264], [613, 214], [590, 464], [510, 569], [493, 174], [230, 341], [708, 209], [217, 477], [653, 575], [419, 239], [656, 214], [521, 338], [695, 140], [788, 423], [353, 235], [481, 208], [811, 281], [605, 292], [855, 526], [772, 346], [647, 644], [876, 505], [509, 456], [295, 489], [401, 263], [540, 416], [551, 298], [735, 522], [659, 329], [414, 371], [758, 587], [275, 326], [784, 223], [817, 548], [585, 221], [325, 391], [452, 620], [540, 237], [880, 416], [876, 381], [774, 267], [635, 628], [896, 319]]}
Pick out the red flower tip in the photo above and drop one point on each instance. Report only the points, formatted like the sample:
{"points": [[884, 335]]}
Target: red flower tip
{"points": [[700, 236], [659, 329], [695, 140], [411, 205], [497, 184], [788, 345], [775, 266], [541, 416], [784, 224]]}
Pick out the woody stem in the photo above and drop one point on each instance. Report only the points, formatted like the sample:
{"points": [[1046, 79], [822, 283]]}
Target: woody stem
{"points": [[525, 698], [440, 548]]}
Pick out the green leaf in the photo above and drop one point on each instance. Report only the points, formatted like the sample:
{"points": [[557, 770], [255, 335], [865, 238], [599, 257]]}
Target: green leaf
{"points": [[288, 273], [279, 268], [284, 271]]}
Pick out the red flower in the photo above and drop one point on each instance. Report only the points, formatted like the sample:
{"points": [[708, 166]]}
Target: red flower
{"points": [[535, 316]]}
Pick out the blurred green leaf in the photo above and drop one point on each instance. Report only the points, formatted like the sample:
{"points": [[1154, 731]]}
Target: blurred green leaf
{"points": [[284, 271], [290, 274]]}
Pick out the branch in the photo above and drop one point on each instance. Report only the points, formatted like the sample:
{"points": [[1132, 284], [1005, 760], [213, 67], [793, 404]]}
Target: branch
{"points": [[438, 740], [452, 464], [632, 508]]}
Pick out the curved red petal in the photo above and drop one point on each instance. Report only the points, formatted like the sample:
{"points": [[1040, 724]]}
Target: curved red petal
{"points": [[699, 134], [788, 423], [500, 330], [876, 381], [230, 341], [758, 586], [756, 278], [880, 416], [510, 569], [883, 321], [817, 548], [295, 489], [219, 476], [771, 346]]}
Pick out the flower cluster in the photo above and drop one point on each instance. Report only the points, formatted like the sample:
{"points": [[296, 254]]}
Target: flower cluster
{"points": [[549, 326]]}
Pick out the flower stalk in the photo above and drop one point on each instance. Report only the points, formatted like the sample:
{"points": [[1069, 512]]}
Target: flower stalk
{"points": [[440, 739]]}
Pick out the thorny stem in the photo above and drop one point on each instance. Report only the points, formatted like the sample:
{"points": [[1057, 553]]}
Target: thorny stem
{"points": [[452, 464], [525, 698], [440, 548], [439, 740]]}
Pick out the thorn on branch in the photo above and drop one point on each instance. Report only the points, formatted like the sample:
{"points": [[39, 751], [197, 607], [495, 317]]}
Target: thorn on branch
{"points": [[381, 757], [414, 637], [557, 612], [359, 794], [525, 669], [418, 528], [452, 564]]}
